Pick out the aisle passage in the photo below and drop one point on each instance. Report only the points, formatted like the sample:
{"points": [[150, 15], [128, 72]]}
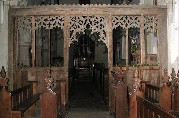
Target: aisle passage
{"points": [[86, 102]]}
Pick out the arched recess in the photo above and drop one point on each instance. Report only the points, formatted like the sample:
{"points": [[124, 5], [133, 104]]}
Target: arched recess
{"points": [[95, 26]]}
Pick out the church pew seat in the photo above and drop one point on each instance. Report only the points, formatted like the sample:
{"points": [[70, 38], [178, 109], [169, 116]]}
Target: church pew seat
{"points": [[23, 98], [15, 103]]}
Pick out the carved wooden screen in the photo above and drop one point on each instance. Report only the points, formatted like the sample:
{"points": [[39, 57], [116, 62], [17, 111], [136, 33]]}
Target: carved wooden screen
{"points": [[49, 41], [128, 41], [24, 47]]}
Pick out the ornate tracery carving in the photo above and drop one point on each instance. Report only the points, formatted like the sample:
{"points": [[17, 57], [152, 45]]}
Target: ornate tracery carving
{"points": [[24, 23], [49, 22], [95, 23], [125, 21], [150, 23]]}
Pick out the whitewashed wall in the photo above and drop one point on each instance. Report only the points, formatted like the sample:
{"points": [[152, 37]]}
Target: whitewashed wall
{"points": [[173, 34], [4, 35]]}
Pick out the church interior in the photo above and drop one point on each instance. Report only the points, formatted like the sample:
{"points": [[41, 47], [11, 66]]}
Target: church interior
{"points": [[89, 59]]}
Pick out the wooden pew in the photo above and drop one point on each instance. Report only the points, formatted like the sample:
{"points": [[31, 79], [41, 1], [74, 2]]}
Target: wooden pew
{"points": [[166, 96], [146, 109], [121, 94], [50, 100], [13, 104], [141, 107], [133, 106], [175, 93]]}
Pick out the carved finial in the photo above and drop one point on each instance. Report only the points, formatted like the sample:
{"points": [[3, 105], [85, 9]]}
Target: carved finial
{"points": [[177, 80], [3, 82], [49, 83], [165, 78], [48, 73], [3, 72], [173, 74], [178, 74], [137, 80]]}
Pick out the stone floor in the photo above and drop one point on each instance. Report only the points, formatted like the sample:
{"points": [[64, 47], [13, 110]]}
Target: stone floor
{"points": [[86, 102]]}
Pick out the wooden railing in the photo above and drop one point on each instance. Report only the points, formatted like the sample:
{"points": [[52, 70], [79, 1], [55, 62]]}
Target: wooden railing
{"points": [[151, 92], [146, 109], [13, 104]]}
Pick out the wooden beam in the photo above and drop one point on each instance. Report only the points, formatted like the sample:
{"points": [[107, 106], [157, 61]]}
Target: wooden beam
{"points": [[33, 42]]}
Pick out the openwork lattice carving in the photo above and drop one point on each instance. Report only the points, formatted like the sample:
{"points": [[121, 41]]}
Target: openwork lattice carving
{"points": [[24, 23], [150, 23], [126, 21], [95, 23], [49, 22]]}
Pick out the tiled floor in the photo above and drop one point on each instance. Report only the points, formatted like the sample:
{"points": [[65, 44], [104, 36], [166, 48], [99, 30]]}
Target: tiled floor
{"points": [[86, 102]]}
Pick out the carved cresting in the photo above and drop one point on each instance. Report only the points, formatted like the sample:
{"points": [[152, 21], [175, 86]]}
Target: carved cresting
{"points": [[96, 24]]}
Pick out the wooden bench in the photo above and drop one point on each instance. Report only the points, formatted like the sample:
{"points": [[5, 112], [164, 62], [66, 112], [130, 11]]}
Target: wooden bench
{"points": [[15, 103]]}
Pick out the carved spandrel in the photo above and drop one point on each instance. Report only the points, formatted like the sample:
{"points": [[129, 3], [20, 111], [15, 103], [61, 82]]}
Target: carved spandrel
{"points": [[97, 24]]}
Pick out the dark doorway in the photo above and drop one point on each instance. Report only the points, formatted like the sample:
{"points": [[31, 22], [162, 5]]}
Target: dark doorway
{"points": [[88, 80]]}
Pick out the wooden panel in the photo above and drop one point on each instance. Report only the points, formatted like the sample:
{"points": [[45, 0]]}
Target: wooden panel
{"points": [[133, 104], [16, 114], [176, 100], [5, 104], [165, 97], [41, 75], [48, 104], [121, 101]]}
